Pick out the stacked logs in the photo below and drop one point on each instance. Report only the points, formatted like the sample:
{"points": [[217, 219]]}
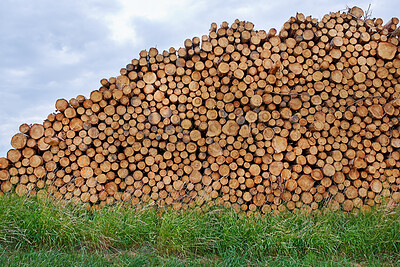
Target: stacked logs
{"points": [[259, 120]]}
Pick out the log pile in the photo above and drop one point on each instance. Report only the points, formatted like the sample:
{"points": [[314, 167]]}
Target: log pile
{"points": [[260, 120]]}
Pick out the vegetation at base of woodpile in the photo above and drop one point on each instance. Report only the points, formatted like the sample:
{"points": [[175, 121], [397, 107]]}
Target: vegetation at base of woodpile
{"points": [[41, 229], [148, 257], [260, 120]]}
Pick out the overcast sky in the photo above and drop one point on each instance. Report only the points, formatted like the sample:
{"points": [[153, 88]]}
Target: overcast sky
{"points": [[60, 49]]}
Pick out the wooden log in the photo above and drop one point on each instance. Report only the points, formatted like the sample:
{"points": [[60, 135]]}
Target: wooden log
{"points": [[231, 128], [279, 144], [36, 131], [356, 12], [4, 175], [386, 50], [13, 155], [4, 163], [305, 182], [19, 140], [61, 104], [214, 128]]}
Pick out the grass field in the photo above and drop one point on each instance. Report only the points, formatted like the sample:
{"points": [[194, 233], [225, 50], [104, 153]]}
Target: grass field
{"points": [[43, 233]]}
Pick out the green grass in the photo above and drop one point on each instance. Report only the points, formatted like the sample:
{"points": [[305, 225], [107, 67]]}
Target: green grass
{"points": [[43, 233]]}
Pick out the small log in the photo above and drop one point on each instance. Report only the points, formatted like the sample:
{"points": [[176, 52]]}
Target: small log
{"points": [[279, 144], [36, 131], [62, 104], [19, 140], [386, 50], [305, 182]]}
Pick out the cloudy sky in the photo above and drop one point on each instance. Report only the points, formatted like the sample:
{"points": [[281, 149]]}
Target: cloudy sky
{"points": [[60, 49]]}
